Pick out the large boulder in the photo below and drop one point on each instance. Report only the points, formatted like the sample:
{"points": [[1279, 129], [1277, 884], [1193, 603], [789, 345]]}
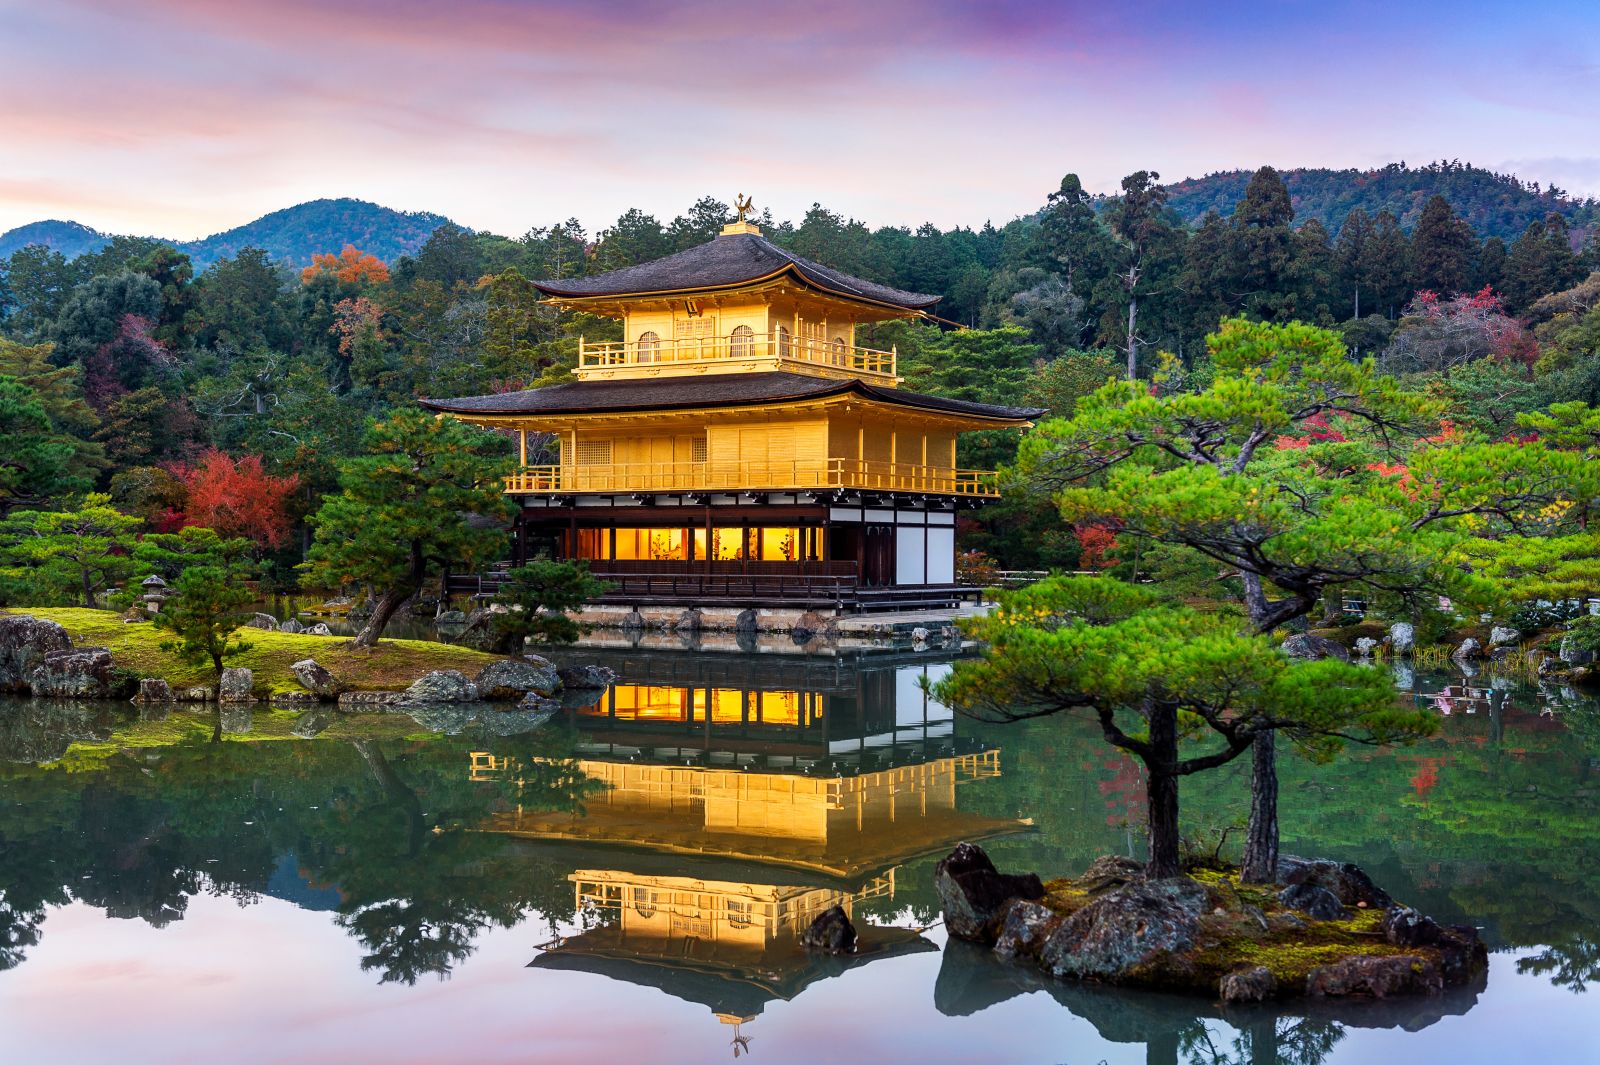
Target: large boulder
{"points": [[316, 679], [1254, 984], [1315, 902], [1025, 927], [586, 678], [1466, 650], [442, 686], [319, 629], [1404, 927], [236, 685], [290, 625], [830, 933], [262, 621], [1572, 654], [1305, 645], [513, 678], [1346, 881], [87, 673], [974, 895], [24, 641], [1402, 637], [1376, 976], [153, 690], [1502, 636], [369, 702], [1127, 928]]}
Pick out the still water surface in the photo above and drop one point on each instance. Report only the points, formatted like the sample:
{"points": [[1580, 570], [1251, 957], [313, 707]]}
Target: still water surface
{"points": [[627, 884]]}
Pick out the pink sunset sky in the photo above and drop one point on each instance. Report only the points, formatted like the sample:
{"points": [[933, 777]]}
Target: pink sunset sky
{"points": [[179, 118]]}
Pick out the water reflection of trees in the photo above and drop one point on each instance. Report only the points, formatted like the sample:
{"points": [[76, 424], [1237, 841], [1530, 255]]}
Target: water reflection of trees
{"points": [[389, 823], [1491, 823], [1181, 1029]]}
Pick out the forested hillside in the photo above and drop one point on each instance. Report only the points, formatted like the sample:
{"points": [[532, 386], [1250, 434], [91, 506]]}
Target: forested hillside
{"points": [[229, 397], [1494, 205], [292, 235]]}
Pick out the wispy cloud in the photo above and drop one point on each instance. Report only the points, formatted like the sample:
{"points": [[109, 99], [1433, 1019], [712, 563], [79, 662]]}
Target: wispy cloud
{"points": [[186, 116]]}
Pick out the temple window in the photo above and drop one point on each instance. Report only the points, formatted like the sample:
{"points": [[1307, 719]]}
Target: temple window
{"points": [[594, 453], [783, 342], [839, 350], [741, 342], [649, 346]]}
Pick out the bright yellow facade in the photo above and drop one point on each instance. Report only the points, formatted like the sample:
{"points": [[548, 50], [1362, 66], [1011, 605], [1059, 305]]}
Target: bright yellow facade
{"points": [[840, 442]]}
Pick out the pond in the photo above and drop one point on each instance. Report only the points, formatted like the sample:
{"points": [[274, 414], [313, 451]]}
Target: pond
{"points": [[627, 882]]}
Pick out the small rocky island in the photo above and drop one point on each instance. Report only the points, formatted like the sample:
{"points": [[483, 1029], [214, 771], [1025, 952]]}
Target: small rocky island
{"points": [[1323, 930]]}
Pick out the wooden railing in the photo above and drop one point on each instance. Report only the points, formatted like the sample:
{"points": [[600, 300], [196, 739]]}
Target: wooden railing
{"points": [[685, 351], [753, 476]]}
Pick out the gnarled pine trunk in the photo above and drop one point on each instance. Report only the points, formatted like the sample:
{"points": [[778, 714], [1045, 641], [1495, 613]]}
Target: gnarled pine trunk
{"points": [[1162, 791], [1261, 838], [391, 599]]}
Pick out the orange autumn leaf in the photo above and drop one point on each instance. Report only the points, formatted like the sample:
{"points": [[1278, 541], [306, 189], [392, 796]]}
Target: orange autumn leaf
{"points": [[350, 265]]}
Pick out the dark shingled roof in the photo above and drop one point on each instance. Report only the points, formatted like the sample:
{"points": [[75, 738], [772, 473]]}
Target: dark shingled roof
{"points": [[730, 260], [719, 390]]}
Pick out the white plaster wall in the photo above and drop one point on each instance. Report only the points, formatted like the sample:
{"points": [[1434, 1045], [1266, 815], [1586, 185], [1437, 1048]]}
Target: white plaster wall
{"points": [[941, 556], [908, 555]]}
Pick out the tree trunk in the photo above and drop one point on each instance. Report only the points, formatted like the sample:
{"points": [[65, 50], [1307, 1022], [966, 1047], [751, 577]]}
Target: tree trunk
{"points": [[88, 592], [1162, 792], [1261, 838], [1133, 351], [387, 604]]}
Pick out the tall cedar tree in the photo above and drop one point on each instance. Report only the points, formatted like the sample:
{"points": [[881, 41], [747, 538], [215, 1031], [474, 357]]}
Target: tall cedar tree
{"points": [[403, 510], [1442, 249]]}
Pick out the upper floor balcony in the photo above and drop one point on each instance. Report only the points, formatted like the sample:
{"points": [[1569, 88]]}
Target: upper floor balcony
{"points": [[752, 476], [742, 349]]}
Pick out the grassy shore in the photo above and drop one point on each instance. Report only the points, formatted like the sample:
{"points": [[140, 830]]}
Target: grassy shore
{"points": [[136, 646]]}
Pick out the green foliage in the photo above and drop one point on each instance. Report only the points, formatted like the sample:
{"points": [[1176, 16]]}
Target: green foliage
{"points": [[539, 596], [38, 459], [169, 554], [403, 507], [208, 608], [56, 556]]}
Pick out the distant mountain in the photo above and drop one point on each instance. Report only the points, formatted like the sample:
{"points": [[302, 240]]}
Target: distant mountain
{"points": [[71, 239], [292, 235], [1495, 204], [295, 233]]}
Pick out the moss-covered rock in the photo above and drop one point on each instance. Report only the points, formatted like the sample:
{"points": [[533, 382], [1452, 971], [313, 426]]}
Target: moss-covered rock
{"points": [[1209, 934]]}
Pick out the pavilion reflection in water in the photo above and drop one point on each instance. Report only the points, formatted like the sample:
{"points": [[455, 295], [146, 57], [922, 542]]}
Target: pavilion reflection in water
{"points": [[737, 810]]}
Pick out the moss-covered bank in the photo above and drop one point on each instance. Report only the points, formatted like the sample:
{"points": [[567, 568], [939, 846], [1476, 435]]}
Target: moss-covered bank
{"points": [[136, 647]]}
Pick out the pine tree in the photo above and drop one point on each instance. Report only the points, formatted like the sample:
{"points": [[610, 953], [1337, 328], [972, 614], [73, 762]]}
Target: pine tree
{"points": [[1264, 248], [1350, 260], [1443, 249]]}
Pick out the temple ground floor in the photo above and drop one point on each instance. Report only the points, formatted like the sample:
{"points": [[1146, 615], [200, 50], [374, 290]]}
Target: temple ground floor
{"points": [[832, 552]]}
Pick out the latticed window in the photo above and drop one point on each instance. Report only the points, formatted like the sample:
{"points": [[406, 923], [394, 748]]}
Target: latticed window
{"points": [[741, 342], [840, 351], [784, 350], [649, 346], [697, 450], [644, 902], [594, 453]]}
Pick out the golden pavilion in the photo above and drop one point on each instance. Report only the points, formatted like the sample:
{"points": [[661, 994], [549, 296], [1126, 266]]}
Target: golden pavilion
{"points": [[738, 446], [737, 806]]}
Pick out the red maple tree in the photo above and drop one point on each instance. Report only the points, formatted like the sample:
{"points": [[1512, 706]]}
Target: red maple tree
{"points": [[236, 497]]}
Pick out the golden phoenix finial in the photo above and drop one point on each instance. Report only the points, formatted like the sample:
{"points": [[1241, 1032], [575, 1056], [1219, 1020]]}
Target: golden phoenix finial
{"points": [[742, 203]]}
